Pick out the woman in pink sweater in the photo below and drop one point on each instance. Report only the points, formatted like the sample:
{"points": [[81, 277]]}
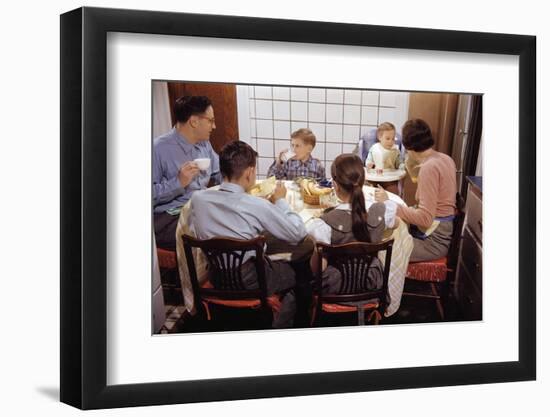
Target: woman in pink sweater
{"points": [[431, 220]]}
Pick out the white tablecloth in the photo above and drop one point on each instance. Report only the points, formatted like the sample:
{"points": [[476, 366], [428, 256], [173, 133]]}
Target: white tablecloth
{"points": [[402, 248]]}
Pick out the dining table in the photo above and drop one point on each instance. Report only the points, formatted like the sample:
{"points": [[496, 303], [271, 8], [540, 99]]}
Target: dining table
{"points": [[402, 246]]}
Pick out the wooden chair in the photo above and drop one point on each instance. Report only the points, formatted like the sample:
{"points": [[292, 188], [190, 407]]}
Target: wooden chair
{"points": [[436, 275], [225, 287], [169, 274], [354, 261]]}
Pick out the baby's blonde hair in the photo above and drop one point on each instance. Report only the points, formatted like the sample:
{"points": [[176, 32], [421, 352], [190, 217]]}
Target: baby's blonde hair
{"points": [[384, 127]]}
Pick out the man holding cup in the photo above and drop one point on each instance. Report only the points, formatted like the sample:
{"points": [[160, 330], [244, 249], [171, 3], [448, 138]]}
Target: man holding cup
{"points": [[183, 162]]}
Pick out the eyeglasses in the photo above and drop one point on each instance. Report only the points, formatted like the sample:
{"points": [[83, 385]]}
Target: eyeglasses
{"points": [[211, 120]]}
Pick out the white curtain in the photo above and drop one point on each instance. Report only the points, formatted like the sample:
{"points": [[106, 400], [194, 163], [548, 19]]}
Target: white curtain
{"points": [[161, 108]]}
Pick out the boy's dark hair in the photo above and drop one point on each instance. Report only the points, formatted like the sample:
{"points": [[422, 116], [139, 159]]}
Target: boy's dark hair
{"points": [[235, 158], [417, 135], [187, 106]]}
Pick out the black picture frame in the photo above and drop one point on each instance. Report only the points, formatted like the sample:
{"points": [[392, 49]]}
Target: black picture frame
{"points": [[84, 207]]}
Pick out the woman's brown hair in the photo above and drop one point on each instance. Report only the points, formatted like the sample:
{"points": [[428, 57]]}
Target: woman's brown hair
{"points": [[348, 172], [417, 135]]}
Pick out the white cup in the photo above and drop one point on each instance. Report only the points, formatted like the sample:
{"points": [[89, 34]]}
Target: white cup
{"points": [[287, 155], [202, 163], [378, 156]]}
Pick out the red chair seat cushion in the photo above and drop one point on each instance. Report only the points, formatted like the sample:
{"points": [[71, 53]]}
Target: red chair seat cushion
{"points": [[341, 308], [167, 259], [273, 301], [430, 271]]}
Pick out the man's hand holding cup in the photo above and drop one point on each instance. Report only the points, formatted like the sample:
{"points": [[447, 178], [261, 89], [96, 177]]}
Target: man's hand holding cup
{"points": [[187, 172]]}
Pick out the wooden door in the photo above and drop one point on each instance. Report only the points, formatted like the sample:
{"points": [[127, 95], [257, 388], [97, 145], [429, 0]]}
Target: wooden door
{"points": [[439, 111], [224, 101]]}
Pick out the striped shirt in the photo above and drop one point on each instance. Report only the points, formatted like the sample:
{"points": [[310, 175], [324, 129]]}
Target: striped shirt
{"points": [[293, 168]]}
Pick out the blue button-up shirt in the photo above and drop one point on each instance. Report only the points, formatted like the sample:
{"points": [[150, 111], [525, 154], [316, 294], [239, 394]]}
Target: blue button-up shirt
{"points": [[170, 152], [230, 212]]}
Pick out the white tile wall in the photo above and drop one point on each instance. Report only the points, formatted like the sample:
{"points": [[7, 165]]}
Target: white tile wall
{"points": [[370, 98], [335, 113], [334, 133], [294, 126], [298, 111], [335, 96], [263, 166], [337, 117], [317, 112], [281, 129], [253, 128], [264, 109], [317, 95], [281, 110], [319, 151], [262, 92], [265, 148], [387, 114], [352, 96], [253, 143], [298, 94], [328, 165], [388, 98], [333, 150], [318, 130], [351, 133], [264, 128], [281, 93], [352, 115], [369, 116], [365, 129], [348, 147]]}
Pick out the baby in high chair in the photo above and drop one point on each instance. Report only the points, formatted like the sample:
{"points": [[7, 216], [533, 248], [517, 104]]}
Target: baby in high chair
{"points": [[385, 154]]}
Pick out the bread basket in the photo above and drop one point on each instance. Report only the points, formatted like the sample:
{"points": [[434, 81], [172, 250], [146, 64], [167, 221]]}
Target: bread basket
{"points": [[311, 199]]}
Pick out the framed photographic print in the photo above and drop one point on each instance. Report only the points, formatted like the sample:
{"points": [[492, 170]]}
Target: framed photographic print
{"points": [[132, 81]]}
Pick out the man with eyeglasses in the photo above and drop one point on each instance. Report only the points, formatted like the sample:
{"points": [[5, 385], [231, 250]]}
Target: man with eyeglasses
{"points": [[175, 174]]}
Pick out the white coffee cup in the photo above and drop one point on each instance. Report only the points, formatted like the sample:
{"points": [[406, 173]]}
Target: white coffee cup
{"points": [[202, 163]]}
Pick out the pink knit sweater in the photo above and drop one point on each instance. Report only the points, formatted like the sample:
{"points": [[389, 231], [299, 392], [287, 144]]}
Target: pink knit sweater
{"points": [[436, 192]]}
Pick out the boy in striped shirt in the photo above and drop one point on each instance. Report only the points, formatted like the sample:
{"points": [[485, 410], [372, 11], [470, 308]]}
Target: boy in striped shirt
{"points": [[302, 164]]}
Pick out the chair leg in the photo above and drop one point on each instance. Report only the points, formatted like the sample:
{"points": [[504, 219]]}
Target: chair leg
{"points": [[438, 303], [313, 315]]}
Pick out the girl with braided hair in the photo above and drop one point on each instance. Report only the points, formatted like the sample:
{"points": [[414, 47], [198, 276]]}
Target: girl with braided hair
{"points": [[350, 221]]}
